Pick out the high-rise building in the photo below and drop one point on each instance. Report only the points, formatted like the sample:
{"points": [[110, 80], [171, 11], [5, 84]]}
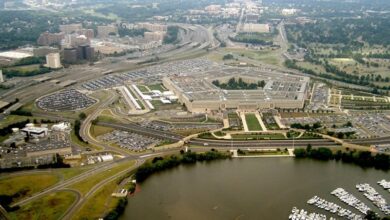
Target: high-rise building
{"points": [[89, 33], [85, 52], [153, 27], [1, 76], [75, 40], [47, 39], [70, 28], [53, 60], [154, 36], [70, 55]]}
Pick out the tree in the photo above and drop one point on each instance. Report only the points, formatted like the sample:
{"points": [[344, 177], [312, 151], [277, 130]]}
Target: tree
{"points": [[371, 216], [82, 116]]}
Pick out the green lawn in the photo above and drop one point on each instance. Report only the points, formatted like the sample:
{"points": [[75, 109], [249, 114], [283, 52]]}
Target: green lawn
{"points": [[252, 122], [52, 206], [263, 152], [159, 87], [257, 136], [99, 204], [87, 184], [142, 88], [26, 185], [97, 130]]}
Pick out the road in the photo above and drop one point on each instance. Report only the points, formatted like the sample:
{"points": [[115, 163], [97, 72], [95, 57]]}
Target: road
{"points": [[83, 199], [217, 143]]}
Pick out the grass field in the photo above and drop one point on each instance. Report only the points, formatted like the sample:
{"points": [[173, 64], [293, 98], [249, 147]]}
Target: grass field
{"points": [[252, 122], [97, 130], [87, 184], [263, 152], [25, 68], [159, 87], [27, 184], [266, 56], [52, 206], [142, 88], [257, 136], [68, 173], [100, 203]]}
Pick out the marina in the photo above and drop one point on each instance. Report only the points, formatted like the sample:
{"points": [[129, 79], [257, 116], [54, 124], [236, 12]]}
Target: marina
{"points": [[350, 200], [371, 194], [301, 214], [385, 184], [333, 208], [209, 190]]}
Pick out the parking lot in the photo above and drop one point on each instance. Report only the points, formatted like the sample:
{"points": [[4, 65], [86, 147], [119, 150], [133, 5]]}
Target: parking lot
{"points": [[150, 75], [366, 124], [65, 100], [320, 97], [130, 141]]}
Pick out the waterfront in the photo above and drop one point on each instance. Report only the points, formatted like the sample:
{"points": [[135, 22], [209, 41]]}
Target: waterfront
{"points": [[249, 188]]}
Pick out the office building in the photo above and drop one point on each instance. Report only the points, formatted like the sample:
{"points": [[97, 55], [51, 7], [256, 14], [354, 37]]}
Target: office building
{"points": [[47, 39], [53, 60], [1, 76], [70, 28], [70, 55]]}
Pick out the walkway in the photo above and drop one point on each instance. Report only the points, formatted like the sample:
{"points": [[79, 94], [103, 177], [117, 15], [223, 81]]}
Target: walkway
{"points": [[263, 127], [244, 124]]}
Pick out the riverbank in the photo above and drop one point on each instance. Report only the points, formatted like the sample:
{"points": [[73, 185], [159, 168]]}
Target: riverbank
{"points": [[263, 185], [158, 164], [364, 159]]}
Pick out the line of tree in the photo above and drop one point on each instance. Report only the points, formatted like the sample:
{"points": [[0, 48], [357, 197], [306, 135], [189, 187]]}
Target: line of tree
{"points": [[8, 105], [8, 129], [352, 79], [171, 35], [19, 73], [159, 164], [30, 61], [163, 163], [307, 127], [362, 158], [251, 41], [131, 32], [234, 84], [77, 127], [21, 112]]}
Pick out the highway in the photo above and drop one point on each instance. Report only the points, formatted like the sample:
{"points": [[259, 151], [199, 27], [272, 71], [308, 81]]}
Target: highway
{"points": [[218, 143]]}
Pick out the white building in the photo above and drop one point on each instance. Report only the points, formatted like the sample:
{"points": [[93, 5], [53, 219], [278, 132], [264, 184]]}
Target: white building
{"points": [[32, 131], [1, 76], [289, 11], [53, 60]]}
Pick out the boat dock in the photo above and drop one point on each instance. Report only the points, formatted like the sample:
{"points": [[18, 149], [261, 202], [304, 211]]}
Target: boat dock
{"points": [[351, 200], [333, 208], [371, 194]]}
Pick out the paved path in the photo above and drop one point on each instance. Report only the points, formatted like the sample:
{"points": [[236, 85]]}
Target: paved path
{"points": [[244, 124], [263, 127]]}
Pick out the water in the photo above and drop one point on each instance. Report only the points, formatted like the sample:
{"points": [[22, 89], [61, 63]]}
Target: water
{"points": [[257, 188]]}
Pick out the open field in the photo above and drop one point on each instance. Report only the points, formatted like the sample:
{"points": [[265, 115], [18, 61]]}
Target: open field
{"points": [[252, 122], [87, 184], [257, 136], [52, 206], [99, 204], [26, 185], [266, 56], [263, 152], [25, 68], [157, 87], [97, 130]]}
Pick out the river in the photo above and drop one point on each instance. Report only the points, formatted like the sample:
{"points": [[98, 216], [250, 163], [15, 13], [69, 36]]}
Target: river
{"points": [[250, 188]]}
